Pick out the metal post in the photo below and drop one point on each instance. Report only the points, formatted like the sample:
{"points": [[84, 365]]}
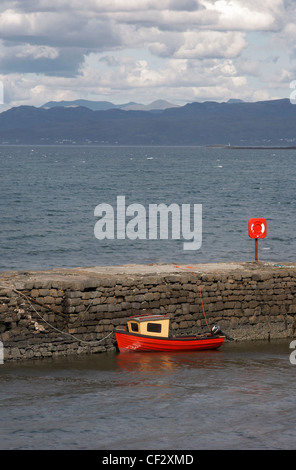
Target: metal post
{"points": [[256, 249]]}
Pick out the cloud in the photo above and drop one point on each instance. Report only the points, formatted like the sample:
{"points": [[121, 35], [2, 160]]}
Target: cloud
{"points": [[246, 15], [144, 49], [207, 44]]}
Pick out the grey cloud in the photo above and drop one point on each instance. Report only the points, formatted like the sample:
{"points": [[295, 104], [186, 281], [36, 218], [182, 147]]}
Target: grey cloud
{"points": [[188, 5], [61, 29], [72, 36], [66, 64]]}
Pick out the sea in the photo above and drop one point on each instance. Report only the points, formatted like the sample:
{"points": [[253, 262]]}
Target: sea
{"points": [[238, 397], [48, 197]]}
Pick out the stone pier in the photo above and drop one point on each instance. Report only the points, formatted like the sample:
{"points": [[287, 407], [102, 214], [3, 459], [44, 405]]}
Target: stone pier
{"points": [[75, 311]]}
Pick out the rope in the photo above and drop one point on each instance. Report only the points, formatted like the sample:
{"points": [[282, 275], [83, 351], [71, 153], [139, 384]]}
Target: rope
{"points": [[202, 305], [56, 311], [203, 308], [30, 300]]}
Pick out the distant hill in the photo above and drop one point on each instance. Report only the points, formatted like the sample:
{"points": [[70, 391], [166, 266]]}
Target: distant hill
{"points": [[234, 100], [94, 105], [105, 105], [264, 123], [154, 106]]}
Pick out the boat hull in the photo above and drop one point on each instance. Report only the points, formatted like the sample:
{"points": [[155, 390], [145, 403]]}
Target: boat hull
{"points": [[132, 342]]}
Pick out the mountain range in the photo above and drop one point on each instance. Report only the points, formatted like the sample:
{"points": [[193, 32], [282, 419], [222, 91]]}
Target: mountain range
{"points": [[105, 105], [263, 123]]}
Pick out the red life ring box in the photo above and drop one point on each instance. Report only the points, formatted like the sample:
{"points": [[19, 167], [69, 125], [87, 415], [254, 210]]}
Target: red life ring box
{"points": [[257, 228]]}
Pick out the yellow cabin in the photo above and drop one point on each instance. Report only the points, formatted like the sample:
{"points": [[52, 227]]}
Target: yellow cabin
{"points": [[149, 325]]}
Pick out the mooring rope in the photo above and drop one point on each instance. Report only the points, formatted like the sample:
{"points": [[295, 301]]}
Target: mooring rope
{"points": [[55, 311], [199, 288]]}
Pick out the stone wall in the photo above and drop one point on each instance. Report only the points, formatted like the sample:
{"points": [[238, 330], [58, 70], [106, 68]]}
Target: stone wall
{"points": [[63, 312]]}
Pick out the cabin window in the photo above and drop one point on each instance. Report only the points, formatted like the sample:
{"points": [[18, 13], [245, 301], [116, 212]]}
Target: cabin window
{"points": [[154, 327], [134, 327]]}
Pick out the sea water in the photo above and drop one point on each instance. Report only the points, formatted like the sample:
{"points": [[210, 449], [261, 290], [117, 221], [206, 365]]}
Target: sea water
{"points": [[238, 397], [48, 195]]}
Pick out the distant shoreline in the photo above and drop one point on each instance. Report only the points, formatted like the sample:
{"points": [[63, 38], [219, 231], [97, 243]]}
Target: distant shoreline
{"points": [[253, 147], [80, 144]]}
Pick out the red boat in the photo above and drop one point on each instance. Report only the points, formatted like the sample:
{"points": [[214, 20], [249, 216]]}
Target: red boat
{"points": [[151, 333]]}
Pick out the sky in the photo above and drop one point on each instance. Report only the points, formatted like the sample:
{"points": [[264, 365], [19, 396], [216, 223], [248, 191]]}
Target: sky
{"points": [[145, 50]]}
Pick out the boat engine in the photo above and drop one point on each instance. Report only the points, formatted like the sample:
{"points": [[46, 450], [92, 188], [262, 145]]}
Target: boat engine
{"points": [[216, 330]]}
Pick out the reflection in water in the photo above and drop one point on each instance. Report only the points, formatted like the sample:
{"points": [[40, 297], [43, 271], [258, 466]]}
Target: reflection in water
{"points": [[157, 362], [238, 397]]}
